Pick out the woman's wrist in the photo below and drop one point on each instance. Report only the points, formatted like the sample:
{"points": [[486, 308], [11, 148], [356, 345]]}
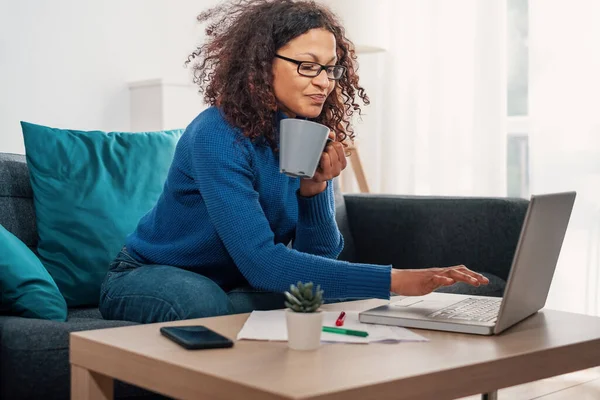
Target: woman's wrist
{"points": [[310, 189], [394, 279]]}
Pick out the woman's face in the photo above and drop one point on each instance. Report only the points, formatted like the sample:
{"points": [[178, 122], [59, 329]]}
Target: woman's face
{"points": [[299, 95]]}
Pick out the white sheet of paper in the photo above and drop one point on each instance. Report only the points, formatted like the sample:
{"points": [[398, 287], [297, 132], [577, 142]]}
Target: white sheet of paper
{"points": [[271, 325]]}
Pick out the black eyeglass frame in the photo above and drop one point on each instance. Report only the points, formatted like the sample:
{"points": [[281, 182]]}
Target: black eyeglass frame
{"points": [[323, 67]]}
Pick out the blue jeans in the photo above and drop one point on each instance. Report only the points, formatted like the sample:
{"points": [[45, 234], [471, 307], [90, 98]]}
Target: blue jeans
{"points": [[143, 293]]}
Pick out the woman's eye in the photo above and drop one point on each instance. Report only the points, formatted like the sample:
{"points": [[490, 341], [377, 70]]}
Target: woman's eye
{"points": [[310, 67]]}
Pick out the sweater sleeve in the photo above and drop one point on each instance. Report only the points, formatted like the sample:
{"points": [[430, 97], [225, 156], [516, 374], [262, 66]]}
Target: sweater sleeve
{"points": [[317, 231], [224, 175]]}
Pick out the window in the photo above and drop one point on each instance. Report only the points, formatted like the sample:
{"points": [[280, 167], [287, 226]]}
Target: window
{"points": [[517, 151]]}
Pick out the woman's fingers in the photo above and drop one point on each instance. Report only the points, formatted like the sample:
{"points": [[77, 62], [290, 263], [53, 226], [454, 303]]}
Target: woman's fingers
{"points": [[325, 163], [479, 277], [341, 156], [332, 162], [460, 273], [336, 166], [462, 277], [419, 282], [440, 280]]}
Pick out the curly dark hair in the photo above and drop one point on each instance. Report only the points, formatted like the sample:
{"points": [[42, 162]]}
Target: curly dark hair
{"points": [[234, 66]]}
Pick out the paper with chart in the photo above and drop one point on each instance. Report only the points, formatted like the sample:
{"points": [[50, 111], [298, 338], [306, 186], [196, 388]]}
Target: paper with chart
{"points": [[271, 325]]}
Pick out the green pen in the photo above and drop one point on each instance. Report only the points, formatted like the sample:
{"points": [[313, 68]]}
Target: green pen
{"points": [[343, 331]]}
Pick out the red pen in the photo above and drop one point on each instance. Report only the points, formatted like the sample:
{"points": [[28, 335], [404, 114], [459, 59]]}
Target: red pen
{"points": [[340, 320]]}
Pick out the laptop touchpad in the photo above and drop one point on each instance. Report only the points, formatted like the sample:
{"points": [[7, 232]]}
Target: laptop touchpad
{"points": [[407, 301]]}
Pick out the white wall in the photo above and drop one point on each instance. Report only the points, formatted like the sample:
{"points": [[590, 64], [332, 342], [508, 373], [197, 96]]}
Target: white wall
{"points": [[68, 63], [366, 26]]}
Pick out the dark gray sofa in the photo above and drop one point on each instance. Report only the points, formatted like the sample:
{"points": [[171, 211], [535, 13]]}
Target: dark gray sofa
{"points": [[408, 232]]}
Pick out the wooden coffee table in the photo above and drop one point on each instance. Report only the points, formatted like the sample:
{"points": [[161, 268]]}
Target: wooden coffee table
{"points": [[449, 366]]}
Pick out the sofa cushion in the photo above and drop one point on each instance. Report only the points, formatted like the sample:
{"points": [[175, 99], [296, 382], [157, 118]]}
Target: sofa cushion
{"points": [[341, 217], [85, 312], [14, 178], [37, 351], [90, 189], [16, 199], [423, 231], [27, 288]]}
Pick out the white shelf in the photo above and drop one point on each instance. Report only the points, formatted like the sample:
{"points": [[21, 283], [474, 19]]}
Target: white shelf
{"points": [[157, 104]]}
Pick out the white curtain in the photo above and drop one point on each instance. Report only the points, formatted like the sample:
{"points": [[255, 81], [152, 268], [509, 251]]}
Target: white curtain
{"points": [[564, 112], [437, 120]]}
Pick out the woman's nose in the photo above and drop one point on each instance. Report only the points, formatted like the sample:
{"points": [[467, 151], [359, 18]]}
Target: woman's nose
{"points": [[321, 80]]}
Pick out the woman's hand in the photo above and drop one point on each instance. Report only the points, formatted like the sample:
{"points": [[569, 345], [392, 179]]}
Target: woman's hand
{"points": [[418, 282], [332, 163]]}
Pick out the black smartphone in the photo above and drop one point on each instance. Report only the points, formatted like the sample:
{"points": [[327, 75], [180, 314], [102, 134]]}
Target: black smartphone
{"points": [[196, 337]]}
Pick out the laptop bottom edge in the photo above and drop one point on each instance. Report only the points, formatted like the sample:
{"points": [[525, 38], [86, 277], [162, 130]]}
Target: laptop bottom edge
{"points": [[427, 324]]}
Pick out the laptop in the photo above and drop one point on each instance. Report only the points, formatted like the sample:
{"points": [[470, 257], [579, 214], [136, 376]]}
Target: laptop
{"points": [[526, 289]]}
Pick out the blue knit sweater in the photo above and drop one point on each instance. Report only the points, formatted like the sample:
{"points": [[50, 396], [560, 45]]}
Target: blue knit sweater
{"points": [[227, 213]]}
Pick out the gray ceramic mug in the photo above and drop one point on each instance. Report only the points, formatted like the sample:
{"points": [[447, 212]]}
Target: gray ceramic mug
{"points": [[301, 144]]}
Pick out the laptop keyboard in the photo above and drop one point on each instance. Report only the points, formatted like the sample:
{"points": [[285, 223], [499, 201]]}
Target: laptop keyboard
{"points": [[481, 310]]}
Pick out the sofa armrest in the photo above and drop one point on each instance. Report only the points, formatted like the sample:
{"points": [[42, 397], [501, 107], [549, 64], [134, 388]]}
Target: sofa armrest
{"points": [[422, 232]]}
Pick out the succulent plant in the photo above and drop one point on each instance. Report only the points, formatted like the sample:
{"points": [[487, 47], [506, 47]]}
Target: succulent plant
{"points": [[301, 298]]}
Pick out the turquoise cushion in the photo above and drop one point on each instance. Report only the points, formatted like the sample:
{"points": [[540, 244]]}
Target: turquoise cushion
{"points": [[90, 189], [27, 288]]}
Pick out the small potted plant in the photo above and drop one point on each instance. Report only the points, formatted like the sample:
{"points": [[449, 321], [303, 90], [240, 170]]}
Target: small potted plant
{"points": [[303, 317]]}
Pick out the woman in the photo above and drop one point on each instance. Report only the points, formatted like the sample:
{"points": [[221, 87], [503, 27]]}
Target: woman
{"points": [[217, 240]]}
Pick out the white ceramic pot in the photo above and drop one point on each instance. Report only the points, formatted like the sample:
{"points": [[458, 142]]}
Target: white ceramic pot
{"points": [[304, 329]]}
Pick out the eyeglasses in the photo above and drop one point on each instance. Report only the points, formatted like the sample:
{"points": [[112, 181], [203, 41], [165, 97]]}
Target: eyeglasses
{"points": [[312, 69]]}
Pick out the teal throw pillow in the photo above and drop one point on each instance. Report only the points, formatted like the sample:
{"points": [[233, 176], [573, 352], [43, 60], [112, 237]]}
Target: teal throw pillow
{"points": [[90, 189], [27, 288]]}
